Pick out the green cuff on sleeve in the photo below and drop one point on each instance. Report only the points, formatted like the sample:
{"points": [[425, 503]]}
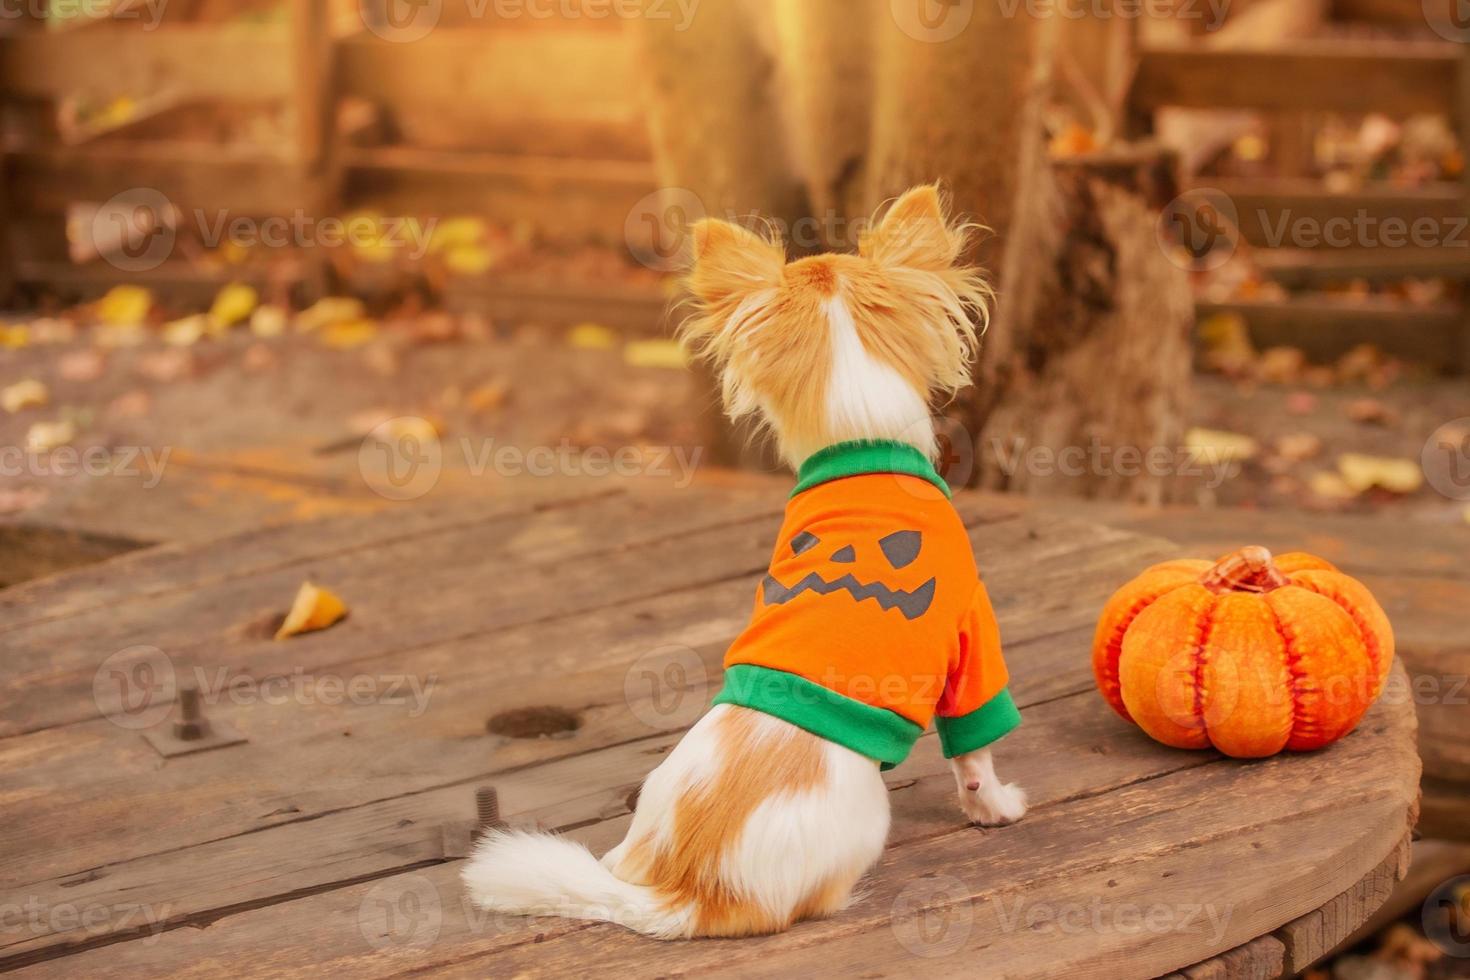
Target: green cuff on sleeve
{"points": [[993, 719]]}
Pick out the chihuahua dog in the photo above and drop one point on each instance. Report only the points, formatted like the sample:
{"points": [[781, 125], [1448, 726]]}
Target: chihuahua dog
{"points": [[871, 622]]}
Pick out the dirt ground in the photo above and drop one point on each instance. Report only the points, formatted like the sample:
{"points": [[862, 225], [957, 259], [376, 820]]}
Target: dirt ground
{"points": [[224, 433]]}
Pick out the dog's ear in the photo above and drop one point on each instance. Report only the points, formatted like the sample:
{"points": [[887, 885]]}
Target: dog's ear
{"points": [[914, 234], [731, 263]]}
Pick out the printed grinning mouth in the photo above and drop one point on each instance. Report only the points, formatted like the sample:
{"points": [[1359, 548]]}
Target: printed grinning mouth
{"points": [[912, 604]]}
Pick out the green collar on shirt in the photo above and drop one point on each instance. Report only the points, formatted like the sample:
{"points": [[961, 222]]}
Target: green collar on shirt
{"points": [[865, 456]]}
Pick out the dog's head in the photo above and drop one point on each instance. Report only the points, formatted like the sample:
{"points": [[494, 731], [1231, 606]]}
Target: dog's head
{"points": [[839, 347]]}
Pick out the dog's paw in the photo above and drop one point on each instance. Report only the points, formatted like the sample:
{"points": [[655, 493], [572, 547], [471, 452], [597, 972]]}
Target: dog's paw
{"points": [[994, 806]]}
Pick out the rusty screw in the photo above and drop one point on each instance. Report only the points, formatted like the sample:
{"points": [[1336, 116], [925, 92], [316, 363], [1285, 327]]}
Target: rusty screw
{"points": [[487, 807], [190, 725]]}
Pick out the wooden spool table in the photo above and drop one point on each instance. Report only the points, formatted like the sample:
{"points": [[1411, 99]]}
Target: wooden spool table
{"points": [[556, 650]]}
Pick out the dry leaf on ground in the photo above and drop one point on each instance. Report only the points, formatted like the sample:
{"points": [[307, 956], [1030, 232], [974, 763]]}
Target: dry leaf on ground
{"points": [[269, 321], [131, 404], [1330, 486], [233, 303], [592, 336], [1297, 446], [1370, 411], [125, 306], [81, 365], [1217, 445], [24, 394], [348, 335], [166, 365], [1362, 472], [187, 331], [655, 353], [329, 310], [314, 608], [45, 436]]}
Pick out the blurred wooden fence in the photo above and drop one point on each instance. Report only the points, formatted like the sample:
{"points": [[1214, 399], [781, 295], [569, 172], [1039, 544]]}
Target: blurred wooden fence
{"points": [[561, 85]]}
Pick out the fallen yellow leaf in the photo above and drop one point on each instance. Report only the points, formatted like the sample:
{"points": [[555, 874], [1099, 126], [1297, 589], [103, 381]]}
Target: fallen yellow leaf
{"points": [[45, 436], [346, 336], [655, 353], [329, 310], [268, 321], [27, 393], [1330, 486], [1221, 446], [592, 336], [125, 306], [185, 332], [314, 608], [456, 231], [1362, 472], [469, 260], [234, 303], [13, 337]]}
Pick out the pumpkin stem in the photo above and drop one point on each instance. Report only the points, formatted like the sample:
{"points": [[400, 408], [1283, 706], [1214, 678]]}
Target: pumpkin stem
{"points": [[1248, 570]]}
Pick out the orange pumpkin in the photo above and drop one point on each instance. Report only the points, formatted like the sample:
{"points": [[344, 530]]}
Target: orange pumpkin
{"points": [[1250, 654]]}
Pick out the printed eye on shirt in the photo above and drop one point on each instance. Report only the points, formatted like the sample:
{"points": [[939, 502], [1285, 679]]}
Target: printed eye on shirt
{"points": [[871, 620]]}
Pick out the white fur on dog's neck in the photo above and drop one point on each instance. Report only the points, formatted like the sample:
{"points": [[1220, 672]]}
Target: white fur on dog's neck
{"points": [[867, 399]]}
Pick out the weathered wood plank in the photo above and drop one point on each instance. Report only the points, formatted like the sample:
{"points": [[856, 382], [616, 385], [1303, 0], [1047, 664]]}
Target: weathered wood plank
{"points": [[498, 75], [204, 61], [460, 591], [1229, 835], [1325, 326], [1309, 938], [1302, 213], [1389, 77], [545, 663], [393, 835], [1117, 870], [205, 183]]}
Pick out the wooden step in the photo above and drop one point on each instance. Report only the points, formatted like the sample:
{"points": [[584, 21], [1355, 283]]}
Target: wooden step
{"points": [[533, 75], [209, 179], [1297, 267], [204, 61], [1326, 326], [1288, 212], [1392, 77]]}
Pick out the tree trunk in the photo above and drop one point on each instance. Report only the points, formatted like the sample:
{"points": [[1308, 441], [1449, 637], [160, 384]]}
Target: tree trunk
{"points": [[1101, 372], [827, 64], [1089, 341], [719, 147]]}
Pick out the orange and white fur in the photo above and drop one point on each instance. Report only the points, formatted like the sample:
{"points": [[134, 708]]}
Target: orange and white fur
{"points": [[752, 824]]}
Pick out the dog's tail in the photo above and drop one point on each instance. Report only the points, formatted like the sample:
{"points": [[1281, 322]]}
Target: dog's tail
{"points": [[543, 874]]}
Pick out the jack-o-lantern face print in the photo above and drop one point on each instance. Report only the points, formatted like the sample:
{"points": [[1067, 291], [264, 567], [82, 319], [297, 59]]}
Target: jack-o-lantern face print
{"points": [[864, 570]]}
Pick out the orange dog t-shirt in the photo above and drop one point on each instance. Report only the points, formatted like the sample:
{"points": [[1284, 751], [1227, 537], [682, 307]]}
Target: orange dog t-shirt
{"points": [[872, 619]]}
